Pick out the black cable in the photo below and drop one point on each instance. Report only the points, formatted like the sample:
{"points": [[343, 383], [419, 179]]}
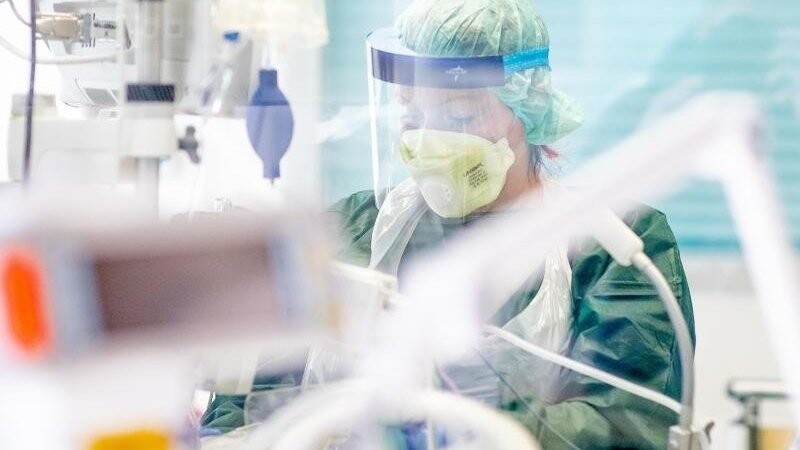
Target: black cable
{"points": [[26, 168]]}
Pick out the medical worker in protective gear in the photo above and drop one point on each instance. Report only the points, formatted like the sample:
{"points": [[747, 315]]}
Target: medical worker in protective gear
{"points": [[464, 116], [451, 150]]}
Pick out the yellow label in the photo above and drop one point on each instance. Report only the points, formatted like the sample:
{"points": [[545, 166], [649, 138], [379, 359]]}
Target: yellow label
{"points": [[134, 440], [775, 438]]}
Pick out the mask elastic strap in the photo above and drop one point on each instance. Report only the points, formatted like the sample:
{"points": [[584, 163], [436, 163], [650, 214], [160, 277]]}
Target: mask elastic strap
{"points": [[526, 59]]}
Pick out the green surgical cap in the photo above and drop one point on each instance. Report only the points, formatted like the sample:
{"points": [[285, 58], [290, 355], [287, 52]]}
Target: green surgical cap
{"points": [[496, 27]]}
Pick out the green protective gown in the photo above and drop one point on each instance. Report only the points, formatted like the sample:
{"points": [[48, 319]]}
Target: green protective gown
{"points": [[619, 326]]}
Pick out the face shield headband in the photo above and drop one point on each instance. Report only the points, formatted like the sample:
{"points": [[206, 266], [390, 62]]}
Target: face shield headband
{"points": [[391, 62]]}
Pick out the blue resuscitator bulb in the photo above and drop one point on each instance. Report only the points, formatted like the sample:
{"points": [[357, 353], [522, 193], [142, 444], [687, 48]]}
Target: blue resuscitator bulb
{"points": [[270, 123]]}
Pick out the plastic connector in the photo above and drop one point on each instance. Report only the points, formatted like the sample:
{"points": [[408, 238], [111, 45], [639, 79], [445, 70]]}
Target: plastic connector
{"points": [[63, 27], [189, 144], [688, 439], [616, 237]]}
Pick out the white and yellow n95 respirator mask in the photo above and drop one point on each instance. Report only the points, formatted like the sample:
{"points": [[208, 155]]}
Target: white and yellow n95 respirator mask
{"points": [[457, 173]]}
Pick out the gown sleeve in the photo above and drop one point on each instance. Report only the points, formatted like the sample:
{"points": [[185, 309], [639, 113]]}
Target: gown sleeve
{"points": [[620, 326]]}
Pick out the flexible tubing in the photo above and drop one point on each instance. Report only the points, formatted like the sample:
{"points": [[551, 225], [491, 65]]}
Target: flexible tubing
{"points": [[583, 369], [682, 333], [317, 415]]}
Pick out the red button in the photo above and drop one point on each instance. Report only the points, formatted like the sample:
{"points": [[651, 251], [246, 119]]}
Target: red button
{"points": [[26, 311]]}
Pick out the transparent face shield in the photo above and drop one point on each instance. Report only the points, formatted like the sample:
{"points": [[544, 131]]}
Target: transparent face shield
{"points": [[438, 129]]}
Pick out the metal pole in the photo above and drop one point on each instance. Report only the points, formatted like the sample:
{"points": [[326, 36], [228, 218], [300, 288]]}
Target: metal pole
{"points": [[149, 40]]}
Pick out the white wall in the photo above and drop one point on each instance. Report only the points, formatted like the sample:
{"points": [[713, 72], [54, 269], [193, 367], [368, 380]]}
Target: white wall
{"points": [[731, 339]]}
